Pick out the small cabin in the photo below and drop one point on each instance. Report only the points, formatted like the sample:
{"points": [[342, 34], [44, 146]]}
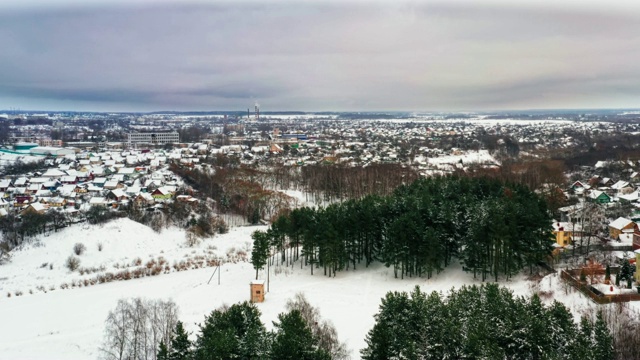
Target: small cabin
{"points": [[257, 291]]}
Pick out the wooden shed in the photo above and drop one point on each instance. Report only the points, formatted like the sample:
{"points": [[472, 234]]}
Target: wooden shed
{"points": [[257, 291]]}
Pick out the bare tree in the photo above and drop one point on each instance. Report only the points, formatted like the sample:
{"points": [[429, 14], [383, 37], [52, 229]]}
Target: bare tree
{"points": [[135, 328], [322, 330]]}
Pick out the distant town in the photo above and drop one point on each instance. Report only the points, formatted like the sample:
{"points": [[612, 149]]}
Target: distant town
{"points": [[551, 194]]}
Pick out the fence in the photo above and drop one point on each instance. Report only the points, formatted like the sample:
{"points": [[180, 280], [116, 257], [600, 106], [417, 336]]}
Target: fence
{"points": [[588, 290]]}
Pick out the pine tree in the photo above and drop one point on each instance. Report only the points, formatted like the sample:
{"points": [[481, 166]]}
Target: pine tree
{"points": [[603, 349], [293, 339], [583, 348], [626, 272], [260, 252], [180, 345], [234, 332], [163, 352]]}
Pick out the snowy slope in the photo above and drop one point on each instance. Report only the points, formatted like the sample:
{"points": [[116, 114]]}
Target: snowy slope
{"points": [[41, 262], [68, 324]]}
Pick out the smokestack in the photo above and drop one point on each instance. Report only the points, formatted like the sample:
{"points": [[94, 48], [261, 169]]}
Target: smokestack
{"points": [[248, 113], [257, 111]]}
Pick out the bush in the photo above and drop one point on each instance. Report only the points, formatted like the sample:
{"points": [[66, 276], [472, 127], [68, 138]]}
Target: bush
{"points": [[72, 263], [100, 246], [79, 249], [5, 256]]}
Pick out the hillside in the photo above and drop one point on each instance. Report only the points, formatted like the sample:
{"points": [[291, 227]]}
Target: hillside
{"points": [[68, 324]]}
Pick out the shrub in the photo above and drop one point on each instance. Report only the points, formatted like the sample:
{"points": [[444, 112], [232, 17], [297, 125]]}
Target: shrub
{"points": [[100, 246], [72, 263], [79, 249]]}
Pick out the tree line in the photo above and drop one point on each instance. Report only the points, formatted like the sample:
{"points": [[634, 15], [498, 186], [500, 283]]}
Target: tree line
{"points": [[493, 228], [472, 322], [143, 330], [482, 322]]}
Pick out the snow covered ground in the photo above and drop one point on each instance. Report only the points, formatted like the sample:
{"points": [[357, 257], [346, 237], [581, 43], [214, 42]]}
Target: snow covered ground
{"points": [[9, 158], [68, 324], [481, 156], [41, 262]]}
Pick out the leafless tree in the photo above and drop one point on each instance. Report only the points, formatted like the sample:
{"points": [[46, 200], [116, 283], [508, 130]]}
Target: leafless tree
{"points": [[135, 328], [322, 330]]}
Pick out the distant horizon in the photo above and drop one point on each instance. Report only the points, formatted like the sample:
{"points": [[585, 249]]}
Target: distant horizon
{"points": [[271, 112]]}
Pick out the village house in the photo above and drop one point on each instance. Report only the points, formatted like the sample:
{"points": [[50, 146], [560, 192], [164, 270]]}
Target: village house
{"points": [[565, 232], [619, 226], [5, 184], [35, 207], [162, 193], [599, 197]]}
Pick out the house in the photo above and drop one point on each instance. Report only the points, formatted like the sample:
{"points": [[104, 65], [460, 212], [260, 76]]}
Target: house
{"points": [[54, 173], [578, 185], [99, 181], [620, 185], [5, 184], [55, 201], [629, 198], [620, 225], [187, 199], [144, 199], [636, 238], [69, 179], [117, 195], [127, 172], [162, 193], [133, 190], [35, 207], [565, 232], [20, 182], [33, 188], [98, 201], [605, 182], [111, 184], [599, 197]]}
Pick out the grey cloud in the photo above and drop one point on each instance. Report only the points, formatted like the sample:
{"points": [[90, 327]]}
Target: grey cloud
{"points": [[320, 56]]}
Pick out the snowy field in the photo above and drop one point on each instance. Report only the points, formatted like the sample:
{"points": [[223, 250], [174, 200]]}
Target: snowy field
{"points": [[123, 243], [468, 157], [68, 324], [9, 158]]}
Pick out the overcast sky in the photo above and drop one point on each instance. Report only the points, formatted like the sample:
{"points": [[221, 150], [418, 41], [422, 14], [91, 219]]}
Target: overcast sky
{"points": [[143, 55]]}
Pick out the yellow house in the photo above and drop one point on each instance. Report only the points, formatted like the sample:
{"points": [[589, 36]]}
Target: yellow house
{"points": [[564, 232], [637, 274]]}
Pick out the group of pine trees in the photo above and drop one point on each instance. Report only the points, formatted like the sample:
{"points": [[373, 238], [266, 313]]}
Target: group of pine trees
{"points": [[236, 332], [494, 228], [482, 322]]}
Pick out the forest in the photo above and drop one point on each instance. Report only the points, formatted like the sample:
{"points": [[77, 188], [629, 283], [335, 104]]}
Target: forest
{"points": [[482, 322], [493, 228]]}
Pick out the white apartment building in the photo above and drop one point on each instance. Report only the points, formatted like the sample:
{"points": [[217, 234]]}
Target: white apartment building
{"points": [[153, 138]]}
